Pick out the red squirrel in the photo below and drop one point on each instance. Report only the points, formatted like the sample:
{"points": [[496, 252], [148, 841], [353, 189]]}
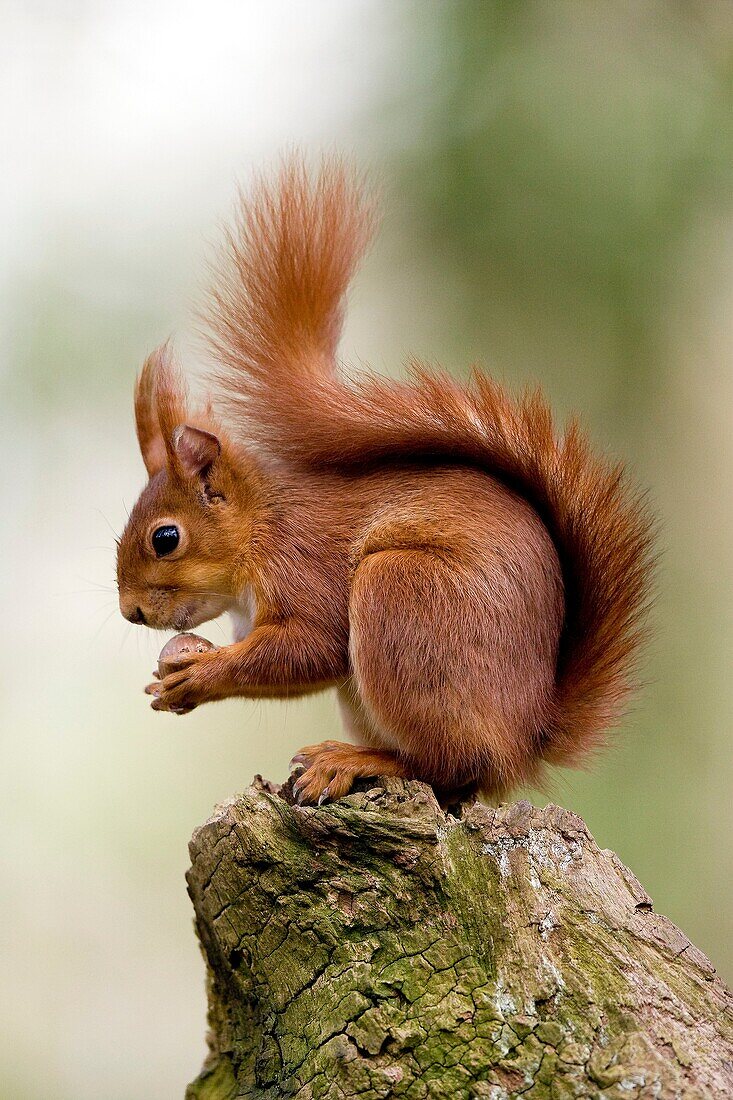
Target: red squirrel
{"points": [[472, 584]]}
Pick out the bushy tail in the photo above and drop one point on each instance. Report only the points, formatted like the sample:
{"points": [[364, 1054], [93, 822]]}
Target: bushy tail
{"points": [[276, 306], [275, 335]]}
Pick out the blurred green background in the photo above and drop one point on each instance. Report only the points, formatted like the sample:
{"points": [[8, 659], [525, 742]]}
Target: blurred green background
{"points": [[558, 179]]}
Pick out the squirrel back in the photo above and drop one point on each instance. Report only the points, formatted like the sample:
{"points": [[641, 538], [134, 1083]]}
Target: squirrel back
{"points": [[274, 321]]}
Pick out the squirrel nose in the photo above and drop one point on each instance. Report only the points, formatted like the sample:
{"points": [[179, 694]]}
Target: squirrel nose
{"points": [[134, 615]]}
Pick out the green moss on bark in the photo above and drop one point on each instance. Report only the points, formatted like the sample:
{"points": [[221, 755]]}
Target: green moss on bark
{"points": [[379, 947]]}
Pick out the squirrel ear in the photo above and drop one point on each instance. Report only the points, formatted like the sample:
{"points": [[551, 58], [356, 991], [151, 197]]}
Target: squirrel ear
{"points": [[159, 405], [152, 445], [195, 450]]}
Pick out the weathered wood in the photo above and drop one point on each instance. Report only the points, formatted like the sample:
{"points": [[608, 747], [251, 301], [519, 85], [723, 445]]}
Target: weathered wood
{"points": [[381, 947]]}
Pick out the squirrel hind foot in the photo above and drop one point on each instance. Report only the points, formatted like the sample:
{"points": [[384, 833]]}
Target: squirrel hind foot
{"points": [[327, 771]]}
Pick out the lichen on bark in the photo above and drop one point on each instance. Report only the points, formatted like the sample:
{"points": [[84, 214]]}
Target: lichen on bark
{"points": [[381, 947]]}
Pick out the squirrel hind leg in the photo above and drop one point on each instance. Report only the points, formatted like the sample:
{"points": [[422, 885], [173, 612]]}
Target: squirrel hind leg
{"points": [[429, 673]]}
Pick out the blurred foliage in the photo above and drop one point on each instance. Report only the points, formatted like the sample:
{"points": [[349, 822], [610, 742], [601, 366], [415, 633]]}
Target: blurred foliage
{"points": [[556, 155]]}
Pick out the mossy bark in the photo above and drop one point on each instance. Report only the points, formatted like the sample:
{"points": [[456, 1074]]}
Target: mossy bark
{"points": [[380, 947]]}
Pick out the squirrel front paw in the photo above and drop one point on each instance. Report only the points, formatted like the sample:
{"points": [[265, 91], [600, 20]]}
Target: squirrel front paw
{"points": [[186, 680]]}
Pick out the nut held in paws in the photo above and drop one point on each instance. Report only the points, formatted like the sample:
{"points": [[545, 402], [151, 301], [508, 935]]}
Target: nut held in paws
{"points": [[184, 643]]}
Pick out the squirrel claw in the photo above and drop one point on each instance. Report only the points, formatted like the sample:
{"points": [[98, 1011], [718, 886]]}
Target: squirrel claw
{"points": [[302, 793], [312, 786]]}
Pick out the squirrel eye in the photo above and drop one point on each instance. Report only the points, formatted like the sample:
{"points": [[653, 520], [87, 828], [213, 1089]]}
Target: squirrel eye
{"points": [[165, 540]]}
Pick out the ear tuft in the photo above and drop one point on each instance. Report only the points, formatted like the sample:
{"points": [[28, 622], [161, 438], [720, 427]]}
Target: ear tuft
{"points": [[195, 449], [152, 445], [160, 404]]}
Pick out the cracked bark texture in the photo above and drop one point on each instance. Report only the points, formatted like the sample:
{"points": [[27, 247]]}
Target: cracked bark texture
{"points": [[380, 947]]}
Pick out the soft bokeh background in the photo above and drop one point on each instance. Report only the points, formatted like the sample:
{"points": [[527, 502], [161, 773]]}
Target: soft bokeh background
{"points": [[559, 186]]}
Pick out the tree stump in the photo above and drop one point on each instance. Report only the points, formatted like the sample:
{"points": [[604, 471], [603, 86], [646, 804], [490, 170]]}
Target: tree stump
{"points": [[381, 947]]}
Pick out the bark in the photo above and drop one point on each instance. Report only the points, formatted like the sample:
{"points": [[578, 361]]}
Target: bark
{"points": [[380, 947]]}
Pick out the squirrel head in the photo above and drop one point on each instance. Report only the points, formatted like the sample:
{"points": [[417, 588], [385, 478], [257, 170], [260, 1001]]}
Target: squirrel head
{"points": [[177, 558]]}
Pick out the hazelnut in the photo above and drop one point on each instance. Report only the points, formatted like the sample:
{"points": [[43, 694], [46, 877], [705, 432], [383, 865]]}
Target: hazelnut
{"points": [[181, 644]]}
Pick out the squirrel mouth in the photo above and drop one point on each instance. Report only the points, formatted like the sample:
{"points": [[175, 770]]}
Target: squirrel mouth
{"points": [[183, 619], [189, 616]]}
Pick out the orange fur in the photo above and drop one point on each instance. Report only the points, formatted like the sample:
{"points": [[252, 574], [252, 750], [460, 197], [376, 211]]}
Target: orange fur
{"points": [[473, 584]]}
